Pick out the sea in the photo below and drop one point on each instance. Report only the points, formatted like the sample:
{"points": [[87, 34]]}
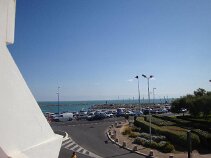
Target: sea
{"points": [[74, 106]]}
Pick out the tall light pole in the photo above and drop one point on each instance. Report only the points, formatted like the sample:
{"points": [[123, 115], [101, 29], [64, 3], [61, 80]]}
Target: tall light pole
{"points": [[58, 97], [150, 132], [154, 95], [139, 102]]}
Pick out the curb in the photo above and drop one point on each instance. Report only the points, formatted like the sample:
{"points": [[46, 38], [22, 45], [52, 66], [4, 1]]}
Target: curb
{"points": [[62, 133], [120, 145], [66, 136]]}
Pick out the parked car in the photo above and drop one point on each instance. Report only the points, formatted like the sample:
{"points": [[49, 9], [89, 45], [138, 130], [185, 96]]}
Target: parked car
{"points": [[63, 117], [97, 116], [81, 116], [183, 110], [90, 115], [155, 111], [114, 112], [109, 114], [120, 112], [138, 113], [164, 110], [146, 111], [130, 113]]}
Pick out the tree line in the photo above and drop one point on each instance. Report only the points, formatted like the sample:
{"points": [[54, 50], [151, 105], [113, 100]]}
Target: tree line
{"points": [[198, 103]]}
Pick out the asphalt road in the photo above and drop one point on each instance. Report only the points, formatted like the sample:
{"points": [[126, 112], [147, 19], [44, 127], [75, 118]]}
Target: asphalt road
{"points": [[91, 136]]}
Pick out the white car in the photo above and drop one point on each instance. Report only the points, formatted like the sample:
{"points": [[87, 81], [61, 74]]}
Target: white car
{"points": [[68, 116], [90, 115], [109, 114]]}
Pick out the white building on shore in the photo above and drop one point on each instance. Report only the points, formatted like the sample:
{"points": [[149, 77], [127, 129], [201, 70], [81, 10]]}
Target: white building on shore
{"points": [[24, 131]]}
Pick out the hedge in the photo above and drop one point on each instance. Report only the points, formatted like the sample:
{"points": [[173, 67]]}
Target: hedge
{"points": [[163, 146], [198, 122], [159, 122], [176, 137], [204, 136], [186, 123]]}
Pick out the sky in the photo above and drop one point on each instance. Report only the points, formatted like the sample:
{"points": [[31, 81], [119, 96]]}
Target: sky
{"points": [[93, 49]]}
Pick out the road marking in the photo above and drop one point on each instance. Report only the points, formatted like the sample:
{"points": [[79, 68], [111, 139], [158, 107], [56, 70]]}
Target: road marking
{"points": [[69, 144], [66, 142], [81, 151], [76, 148]]}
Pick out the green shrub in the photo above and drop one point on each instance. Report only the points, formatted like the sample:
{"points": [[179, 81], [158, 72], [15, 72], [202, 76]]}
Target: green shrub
{"points": [[136, 129], [154, 137], [126, 131], [195, 119], [145, 135], [204, 136], [137, 141], [140, 141], [162, 146], [134, 134], [139, 123], [180, 121], [167, 148], [154, 145], [158, 138], [159, 122]]}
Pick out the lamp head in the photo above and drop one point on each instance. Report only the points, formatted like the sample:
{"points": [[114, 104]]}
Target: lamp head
{"points": [[144, 76]]}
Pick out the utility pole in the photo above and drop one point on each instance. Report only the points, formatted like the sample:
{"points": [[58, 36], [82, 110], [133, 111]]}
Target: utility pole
{"points": [[58, 93], [139, 102], [150, 132], [154, 95]]}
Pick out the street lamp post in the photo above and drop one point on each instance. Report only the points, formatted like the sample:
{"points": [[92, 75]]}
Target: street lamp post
{"points": [[138, 94], [154, 95], [58, 97], [151, 76]]}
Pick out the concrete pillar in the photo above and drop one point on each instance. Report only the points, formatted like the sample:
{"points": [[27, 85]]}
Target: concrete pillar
{"points": [[135, 148], [114, 132], [109, 132], [112, 136], [151, 153], [116, 124], [124, 145]]}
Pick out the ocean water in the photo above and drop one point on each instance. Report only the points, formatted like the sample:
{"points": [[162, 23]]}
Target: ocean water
{"points": [[64, 106], [70, 106]]}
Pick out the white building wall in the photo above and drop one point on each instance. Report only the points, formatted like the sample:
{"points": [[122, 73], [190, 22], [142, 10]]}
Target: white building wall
{"points": [[24, 131]]}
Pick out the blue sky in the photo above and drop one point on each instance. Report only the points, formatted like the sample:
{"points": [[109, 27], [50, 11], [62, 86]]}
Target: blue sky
{"points": [[93, 49]]}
